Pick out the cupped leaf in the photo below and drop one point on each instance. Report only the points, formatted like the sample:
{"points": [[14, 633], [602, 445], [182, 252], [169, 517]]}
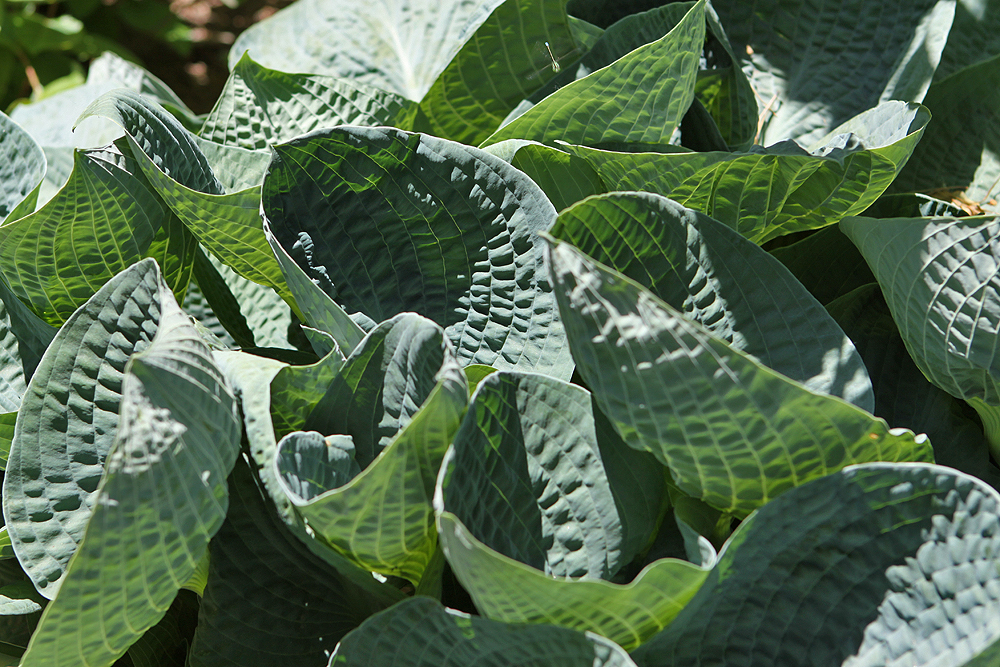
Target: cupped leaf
{"points": [[385, 221], [510, 591], [302, 606], [903, 396], [508, 57], [527, 476], [21, 170], [824, 62], [564, 178], [261, 106], [398, 47], [640, 98], [940, 281], [69, 419], [103, 220], [734, 433], [162, 498], [400, 397], [781, 189], [420, 632], [879, 564], [724, 282]]}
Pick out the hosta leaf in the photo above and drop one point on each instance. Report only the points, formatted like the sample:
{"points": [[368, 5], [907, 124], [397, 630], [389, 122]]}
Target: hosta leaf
{"points": [[260, 106], [733, 433], [23, 339], [510, 591], [385, 221], [420, 632], [878, 564], [21, 170], [166, 643], [640, 98], [826, 263], [527, 477], [825, 62], [939, 278], [903, 396], [961, 150], [20, 609], [100, 223], [170, 157], [69, 419], [162, 498], [236, 168], [302, 606], [400, 396], [564, 178], [384, 382], [505, 60], [781, 189], [395, 46], [252, 378], [722, 281]]}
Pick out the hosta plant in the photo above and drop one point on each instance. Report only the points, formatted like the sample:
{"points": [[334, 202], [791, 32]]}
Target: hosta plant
{"points": [[512, 333]]}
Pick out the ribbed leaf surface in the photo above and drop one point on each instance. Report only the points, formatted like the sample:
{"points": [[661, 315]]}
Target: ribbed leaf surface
{"points": [[21, 169], [419, 632], [876, 565], [505, 60], [640, 98], [261, 106], [69, 419], [103, 220], [386, 221], [781, 189], [733, 432], [722, 281], [23, 339], [160, 501], [940, 280]]}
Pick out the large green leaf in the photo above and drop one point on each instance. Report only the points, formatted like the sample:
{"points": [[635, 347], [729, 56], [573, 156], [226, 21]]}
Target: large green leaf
{"points": [[974, 37], [162, 498], [824, 62], [527, 477], [69, 419], [301, 605], [420, 632], [640, 98], [903, 396], [878, 564], [385, 221], [940, 280], [398, 47], [21, 170], [734, 433], [781, 189], [722, 281], [505, 60], [510, 591], [101, 222], [260, 106], [960, 151]]}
